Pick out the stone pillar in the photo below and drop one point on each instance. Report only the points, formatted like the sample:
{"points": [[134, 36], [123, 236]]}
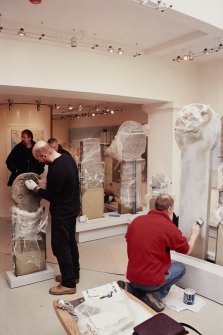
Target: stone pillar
{"points": [[197, 130]]}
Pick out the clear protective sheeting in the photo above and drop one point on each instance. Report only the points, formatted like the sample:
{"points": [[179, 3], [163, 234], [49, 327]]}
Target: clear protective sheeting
{"points": [[131, 180], [28, 240], [127, 147], [108, 316], [160, 184], [220, 177], [129, 143], [92, 174], [90, 150]]}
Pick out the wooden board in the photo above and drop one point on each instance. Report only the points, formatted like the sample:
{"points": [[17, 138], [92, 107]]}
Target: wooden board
{"points": [[70, 325]]}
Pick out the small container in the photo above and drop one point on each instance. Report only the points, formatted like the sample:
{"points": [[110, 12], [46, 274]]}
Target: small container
{"points": [[189, 296]]}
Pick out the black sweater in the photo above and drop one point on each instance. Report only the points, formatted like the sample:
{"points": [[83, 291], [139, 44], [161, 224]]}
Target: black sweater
{"points": [[20, 160], [62, 189]]}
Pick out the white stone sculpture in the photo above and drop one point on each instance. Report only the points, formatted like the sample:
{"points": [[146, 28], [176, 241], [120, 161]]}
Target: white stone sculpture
{"points": [[197, 132]]}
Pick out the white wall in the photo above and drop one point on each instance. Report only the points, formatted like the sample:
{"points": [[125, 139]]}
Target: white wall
{"points": [[49, 66]]}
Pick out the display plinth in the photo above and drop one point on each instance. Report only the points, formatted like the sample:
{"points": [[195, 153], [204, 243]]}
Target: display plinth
{"points": [[204, 277], [112, 224], [30, 278]]}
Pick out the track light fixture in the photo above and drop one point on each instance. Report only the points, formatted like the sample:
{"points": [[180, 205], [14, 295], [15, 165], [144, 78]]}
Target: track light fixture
{"points": [[192, 55], [38, 103], [158, 5], [73, 41], [10, 101], [95, 45], [110, 49], [119, 51], [21, 32]]}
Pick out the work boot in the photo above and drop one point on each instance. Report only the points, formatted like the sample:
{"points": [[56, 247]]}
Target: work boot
{"points": [[150, 299], [60, 290], [58, 279], [123, 284]]}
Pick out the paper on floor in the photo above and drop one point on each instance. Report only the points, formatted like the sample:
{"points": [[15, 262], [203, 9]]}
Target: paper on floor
{"points": [[174, 300]]}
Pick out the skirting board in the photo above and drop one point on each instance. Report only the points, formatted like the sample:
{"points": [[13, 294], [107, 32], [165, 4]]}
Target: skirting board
{"points": [[31, 278], [204, 277]]}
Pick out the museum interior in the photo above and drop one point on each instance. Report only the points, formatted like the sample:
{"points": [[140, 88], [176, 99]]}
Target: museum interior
{"points": [[133, 90]]}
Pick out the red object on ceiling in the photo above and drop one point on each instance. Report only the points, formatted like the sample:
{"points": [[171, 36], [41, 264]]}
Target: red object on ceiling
{"points": [[35, 2]]}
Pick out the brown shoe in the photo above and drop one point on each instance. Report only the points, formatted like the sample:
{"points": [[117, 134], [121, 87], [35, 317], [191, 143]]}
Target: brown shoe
{"points": [[152, 301], [59, 290], [58, 279]]}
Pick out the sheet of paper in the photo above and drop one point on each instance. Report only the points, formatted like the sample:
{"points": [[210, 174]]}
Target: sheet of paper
{"points": [[103, 291], [174, 300]]}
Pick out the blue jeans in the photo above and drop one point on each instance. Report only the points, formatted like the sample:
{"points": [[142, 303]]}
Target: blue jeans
{"points": [[175, 272]]}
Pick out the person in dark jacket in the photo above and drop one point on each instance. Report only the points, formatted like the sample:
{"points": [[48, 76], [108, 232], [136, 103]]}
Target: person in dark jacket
{"points": [[56, 146], [21, 160], [63, 193]]}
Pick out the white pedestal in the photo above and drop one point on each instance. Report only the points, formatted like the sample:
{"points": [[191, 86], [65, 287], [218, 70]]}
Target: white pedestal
{"points": [[204, 277], [111, 224], [31, 278]]}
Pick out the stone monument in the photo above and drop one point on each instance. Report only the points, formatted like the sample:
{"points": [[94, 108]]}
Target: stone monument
{"points": [[197, 132]]}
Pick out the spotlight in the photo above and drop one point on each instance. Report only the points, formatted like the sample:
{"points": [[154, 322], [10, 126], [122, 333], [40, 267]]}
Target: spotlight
{"points": [[110, 49], [70, 107], [220, 47], [73, 42], [21, 32], [119, 51], [38, 102], [94, 46], [206, 51], [10, 101]]}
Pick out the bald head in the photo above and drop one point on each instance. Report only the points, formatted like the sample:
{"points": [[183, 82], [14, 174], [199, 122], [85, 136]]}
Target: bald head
{"points": [[43, 152], [163, 202]]}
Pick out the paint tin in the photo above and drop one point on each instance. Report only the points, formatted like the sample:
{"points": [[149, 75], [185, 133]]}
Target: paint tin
{"points": [[189, 296]]}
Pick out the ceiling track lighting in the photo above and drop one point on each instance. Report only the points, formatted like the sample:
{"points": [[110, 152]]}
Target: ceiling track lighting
{"points": [[74, 41], [37, 103], [192, 55], [10, 101], [158, 5], [62, 112]]}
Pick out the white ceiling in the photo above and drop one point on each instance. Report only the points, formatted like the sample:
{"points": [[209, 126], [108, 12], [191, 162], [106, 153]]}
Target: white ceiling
{"points": [[120, 23]]}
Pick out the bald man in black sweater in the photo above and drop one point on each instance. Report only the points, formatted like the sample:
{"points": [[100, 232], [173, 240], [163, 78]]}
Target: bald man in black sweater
{"points": [[62, 191]]}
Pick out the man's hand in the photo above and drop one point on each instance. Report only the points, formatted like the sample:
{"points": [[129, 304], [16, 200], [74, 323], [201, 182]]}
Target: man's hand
{"points": [[30, 184]]}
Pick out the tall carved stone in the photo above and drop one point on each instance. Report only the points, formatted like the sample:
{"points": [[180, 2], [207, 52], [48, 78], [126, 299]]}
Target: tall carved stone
{"points": [[197, 132]]}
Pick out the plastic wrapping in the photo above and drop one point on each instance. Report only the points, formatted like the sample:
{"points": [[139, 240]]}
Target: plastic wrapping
{"points": [[92, 174], [129, 143], [90, 150], [28, 240], [160, 184], [127, 147], [106, 316], [130, 188]]}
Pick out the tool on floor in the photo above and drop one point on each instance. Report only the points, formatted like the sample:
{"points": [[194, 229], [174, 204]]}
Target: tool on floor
{"points": [[67, 306]]}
